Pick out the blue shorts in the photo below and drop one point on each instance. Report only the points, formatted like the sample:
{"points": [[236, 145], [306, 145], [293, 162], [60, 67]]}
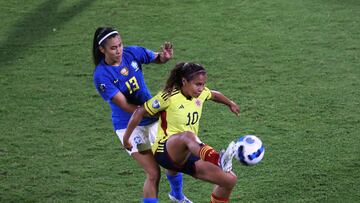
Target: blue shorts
{"points": [[164, 160]]}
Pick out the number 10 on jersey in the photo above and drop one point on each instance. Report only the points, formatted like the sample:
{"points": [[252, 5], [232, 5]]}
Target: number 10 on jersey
{"points": [[192, 118]]}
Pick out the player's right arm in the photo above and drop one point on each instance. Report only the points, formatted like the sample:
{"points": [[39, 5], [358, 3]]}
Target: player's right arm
{"points": [[120, 100], [109, 92], [220, 98]]}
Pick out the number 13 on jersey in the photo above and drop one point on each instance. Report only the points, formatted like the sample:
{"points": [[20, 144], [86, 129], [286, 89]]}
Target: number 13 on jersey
{"points": [[132, 85]]}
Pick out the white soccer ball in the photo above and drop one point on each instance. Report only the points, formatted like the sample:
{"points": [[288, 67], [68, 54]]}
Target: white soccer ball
{"points": [[250, 151]]}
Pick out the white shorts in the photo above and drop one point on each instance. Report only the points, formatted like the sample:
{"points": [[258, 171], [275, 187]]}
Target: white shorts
{"points": [[142, 137]]}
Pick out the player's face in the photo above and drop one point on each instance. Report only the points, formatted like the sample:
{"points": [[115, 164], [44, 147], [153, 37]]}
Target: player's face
{"points": [[113, 50], [194, 87]]}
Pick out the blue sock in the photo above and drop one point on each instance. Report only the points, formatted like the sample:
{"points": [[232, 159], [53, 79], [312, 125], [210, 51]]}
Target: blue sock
{"points": [[176, 183], [150, 200]]}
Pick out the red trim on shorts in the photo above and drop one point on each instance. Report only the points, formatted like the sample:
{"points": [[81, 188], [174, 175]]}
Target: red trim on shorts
{"points": [[163, 122]]}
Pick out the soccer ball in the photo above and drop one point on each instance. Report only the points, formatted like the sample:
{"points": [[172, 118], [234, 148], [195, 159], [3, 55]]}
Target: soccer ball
{"points": [[250, 151]]}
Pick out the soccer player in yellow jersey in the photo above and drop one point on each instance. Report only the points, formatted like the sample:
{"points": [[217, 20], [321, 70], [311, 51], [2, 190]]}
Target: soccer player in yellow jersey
{"points": [[177, 147]]}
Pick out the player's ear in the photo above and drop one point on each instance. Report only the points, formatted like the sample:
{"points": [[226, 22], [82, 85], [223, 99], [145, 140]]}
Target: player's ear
{"points": [[183, 80], [101, 48]]}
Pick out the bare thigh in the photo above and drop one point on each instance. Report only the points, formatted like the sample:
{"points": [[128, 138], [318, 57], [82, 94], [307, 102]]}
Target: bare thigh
{"points": [[180, 146]]}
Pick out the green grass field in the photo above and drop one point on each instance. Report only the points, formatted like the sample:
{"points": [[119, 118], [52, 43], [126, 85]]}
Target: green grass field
{"points": [[292, 66]]}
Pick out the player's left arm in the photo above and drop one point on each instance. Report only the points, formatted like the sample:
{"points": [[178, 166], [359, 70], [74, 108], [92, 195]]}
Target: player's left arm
{"points": [[150, 108], [134, 121], [165, 54], [220, 98]]}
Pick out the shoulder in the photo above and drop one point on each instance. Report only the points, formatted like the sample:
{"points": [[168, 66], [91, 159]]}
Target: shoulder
{"points": [[165, 99], [206, 94], [133, 49], [207, 90], [99, 70], [168, 95], [140, 54]]}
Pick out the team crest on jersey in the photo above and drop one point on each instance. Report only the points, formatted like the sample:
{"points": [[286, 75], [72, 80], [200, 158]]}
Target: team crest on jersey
{"points": [[198, 102], [102, 87], [124, 71], [156, 104], [135, 65]]}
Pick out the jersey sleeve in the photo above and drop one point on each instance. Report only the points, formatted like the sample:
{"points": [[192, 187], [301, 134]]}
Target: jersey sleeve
{"points": [[142, 55], [105, 86], [206, 94], [156, 104]]}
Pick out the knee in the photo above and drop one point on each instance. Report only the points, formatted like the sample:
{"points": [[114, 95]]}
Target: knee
{"points": [[153, 175], [188, 134], [190, 137]]}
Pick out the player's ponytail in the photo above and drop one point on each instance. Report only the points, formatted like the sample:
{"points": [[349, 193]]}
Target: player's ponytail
{"points": [[182, 71], [100, 37]]}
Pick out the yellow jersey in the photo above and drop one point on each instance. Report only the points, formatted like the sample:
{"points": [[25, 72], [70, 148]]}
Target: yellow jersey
{"points": [[177, 113]]}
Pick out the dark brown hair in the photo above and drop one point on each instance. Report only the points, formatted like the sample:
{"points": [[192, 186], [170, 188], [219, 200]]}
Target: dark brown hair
{"points": [[181, 71]]}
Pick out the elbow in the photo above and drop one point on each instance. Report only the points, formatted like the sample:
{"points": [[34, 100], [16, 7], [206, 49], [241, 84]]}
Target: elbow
{"points": [[139, 112]]}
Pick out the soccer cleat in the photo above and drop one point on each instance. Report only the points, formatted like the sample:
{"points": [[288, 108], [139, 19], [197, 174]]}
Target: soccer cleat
{"points": [[185, 200], [227, 155]]}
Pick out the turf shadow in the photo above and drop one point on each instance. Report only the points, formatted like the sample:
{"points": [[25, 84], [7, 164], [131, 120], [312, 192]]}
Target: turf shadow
{"points": [[34, 27]]}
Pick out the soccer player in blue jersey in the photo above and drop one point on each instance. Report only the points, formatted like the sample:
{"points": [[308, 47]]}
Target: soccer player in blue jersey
{"points": [[177, 146], [119, 80]]}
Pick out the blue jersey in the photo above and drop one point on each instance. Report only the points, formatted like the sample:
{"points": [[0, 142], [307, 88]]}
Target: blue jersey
{"points": [[127, 79]]}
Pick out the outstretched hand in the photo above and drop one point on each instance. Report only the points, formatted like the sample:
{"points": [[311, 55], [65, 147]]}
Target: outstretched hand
{"points": [[167, 52], [234, 108]]}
